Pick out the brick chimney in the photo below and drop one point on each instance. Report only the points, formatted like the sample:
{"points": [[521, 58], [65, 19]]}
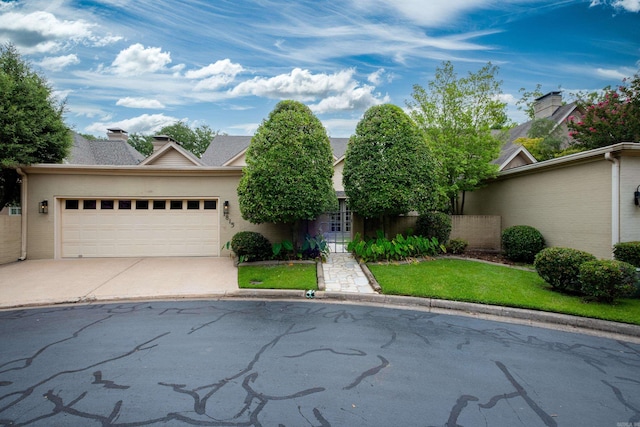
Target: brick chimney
{"points": [[548, 104], [117, 134]]}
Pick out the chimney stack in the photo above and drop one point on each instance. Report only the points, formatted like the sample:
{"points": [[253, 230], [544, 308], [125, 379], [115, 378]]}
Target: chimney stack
{"points": [[546, 105], [117, 134], [160, 140]]}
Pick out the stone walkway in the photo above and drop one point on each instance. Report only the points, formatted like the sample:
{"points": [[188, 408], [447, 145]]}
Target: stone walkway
{"points": [[342, 273]]}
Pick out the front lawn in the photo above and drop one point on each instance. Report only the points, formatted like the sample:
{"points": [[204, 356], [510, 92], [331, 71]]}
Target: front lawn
{"points": [[283, 276], [473, 281]]}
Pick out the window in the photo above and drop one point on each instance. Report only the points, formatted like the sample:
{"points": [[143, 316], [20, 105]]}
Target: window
{"points": [[71, 204], [193, 204], [159, 204], [106, 204], [124, 204], [88, 204], [142, 204], [209, 204], [15, 210], [175, 204]]}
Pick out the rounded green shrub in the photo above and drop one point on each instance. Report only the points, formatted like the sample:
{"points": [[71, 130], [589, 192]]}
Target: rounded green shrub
{"points": [[251, 246], [434, 224], [457, 246], [607, 279], [560, 267], [627, 252], [521, 243]]}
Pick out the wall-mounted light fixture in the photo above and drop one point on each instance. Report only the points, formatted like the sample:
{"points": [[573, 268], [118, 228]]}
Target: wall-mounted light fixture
{"points": [[226, 209], [636, 196], [43, 207]]}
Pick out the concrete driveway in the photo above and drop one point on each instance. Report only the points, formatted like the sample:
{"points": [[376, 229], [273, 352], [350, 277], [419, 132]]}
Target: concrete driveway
{"points": [[36, 282]]}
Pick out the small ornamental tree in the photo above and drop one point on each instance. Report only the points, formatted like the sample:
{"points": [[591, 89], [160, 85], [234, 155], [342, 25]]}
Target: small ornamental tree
{"points": [[612, 118], [32, 128], [458, 115], [289, 169], [388, 168]]}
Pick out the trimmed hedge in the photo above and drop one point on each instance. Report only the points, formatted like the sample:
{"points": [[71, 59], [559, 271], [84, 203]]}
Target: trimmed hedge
{"points": [[251, 246], [560, 267], [521, 243], [627, 252], [607, 279], [434, 224]]}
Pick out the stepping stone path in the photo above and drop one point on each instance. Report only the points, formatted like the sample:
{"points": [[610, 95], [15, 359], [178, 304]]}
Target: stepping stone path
{"points": [[342, 273]]}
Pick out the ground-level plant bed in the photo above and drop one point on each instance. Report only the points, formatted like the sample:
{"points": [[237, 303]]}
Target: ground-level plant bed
{"points": [[281, 276], [472, 281]]}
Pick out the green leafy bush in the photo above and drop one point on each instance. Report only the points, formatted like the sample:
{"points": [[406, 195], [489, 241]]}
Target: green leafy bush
{"points": [[521, 243], [456, 246], [628, 252], [560, 267], [400, 248], [607, 279], [315, 247], [434, 224], [251, 246]]}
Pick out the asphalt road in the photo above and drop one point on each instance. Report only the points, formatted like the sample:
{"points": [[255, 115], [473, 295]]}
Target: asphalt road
{"points": [[308, 363]]}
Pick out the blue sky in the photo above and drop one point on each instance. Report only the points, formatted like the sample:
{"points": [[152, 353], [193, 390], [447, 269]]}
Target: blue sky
{"points": [[144, 64]]}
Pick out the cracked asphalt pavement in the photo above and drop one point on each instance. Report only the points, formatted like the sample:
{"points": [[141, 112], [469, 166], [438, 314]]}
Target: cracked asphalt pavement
{"points": [[308, 363]]}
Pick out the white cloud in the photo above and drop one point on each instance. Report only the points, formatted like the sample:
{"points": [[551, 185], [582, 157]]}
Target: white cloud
{"points": [[376, 77], [340, 128], [628, 5], [299, 84], [145, 124], [215, 76], [357, 98], [41, 31], [618, 74], [136, 60], [140, 103], [57, 63]]}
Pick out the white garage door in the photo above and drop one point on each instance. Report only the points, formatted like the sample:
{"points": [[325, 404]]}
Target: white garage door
{"points": [[139, 228]]}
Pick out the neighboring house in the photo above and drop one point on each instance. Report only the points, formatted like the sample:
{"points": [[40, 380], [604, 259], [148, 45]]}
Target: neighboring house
{"points": [[584, 201]]}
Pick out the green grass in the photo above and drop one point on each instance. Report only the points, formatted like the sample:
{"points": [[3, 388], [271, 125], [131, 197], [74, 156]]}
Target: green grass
{"points": [[478, 282], [283, 276]]}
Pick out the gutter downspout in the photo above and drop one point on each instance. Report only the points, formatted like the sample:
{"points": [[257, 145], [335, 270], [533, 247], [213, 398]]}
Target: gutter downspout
{"points": [[615, 199], [24, 210]]}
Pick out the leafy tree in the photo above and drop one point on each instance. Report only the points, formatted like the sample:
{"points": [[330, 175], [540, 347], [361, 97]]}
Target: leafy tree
{"points": [[527, 101], [614, 117], [388, 168], [545, 140], [289, 168], [142, 143], [195, 140], [88, 136], [457, 116], [32, 129]]}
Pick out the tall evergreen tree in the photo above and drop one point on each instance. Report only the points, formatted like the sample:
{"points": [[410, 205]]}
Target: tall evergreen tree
{"points": [[32, 128]]}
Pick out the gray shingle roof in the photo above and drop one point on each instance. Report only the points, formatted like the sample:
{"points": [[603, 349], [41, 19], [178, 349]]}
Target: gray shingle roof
{"points": [[102, 152], [522, 130], [225, 147]]}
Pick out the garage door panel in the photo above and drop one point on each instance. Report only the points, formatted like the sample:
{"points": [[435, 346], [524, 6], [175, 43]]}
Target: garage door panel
{"points": [[139, 232]]}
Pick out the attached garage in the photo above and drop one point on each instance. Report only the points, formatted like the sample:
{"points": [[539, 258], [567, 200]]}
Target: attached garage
{"points": [[139, 227]]}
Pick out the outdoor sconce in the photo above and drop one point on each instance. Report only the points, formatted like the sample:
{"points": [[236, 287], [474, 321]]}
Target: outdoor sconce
{"points": [[636, 196], [43, 207], [226, 209]]}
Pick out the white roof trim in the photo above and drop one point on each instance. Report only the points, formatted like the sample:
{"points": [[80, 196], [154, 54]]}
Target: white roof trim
{"points": [[171, 146], [520, 150], [236, 157]]}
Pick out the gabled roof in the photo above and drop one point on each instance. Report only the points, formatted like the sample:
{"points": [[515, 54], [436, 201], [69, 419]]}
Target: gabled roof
{"points": [[102, 152], [224, 149], [171, 153]]}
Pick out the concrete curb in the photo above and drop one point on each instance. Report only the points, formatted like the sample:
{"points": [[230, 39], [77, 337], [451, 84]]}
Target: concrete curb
{"points": [[565, 322]]}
